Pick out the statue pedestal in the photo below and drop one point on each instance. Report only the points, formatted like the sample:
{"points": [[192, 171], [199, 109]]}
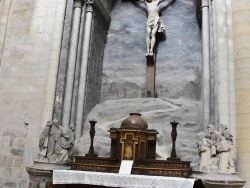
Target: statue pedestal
{"points": [[219, 180], [40, 173]]}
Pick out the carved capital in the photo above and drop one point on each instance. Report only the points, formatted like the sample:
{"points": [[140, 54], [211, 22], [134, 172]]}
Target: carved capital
{"points": [[98, 4], [90, 2], [205, 3], [89, 7], [78, 3]]}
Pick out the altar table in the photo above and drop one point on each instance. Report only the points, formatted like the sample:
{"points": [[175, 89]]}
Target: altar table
{"points": [[119, 180]]}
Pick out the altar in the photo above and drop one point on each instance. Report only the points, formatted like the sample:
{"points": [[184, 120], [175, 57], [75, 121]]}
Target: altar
{"points": [[119, 180], [132, 149]]}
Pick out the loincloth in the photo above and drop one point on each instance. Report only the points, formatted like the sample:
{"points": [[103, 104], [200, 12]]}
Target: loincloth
{"points": [[156, 22]]}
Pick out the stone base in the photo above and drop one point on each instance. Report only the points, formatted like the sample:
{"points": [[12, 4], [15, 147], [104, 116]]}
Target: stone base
{"points": [[224, 184], [40, 174], [219, 180]]}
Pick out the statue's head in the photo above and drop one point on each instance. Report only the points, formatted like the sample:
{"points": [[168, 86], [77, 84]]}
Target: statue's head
{"points": [[72, 126], [49, 123], [210, 129], [65, 134], [56, 122], [225, 132], [201, 135], [223, 127], [220, 137]]}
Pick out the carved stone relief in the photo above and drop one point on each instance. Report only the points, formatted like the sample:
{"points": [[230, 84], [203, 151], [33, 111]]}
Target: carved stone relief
{"points": [[216, 150], [56, 143]]}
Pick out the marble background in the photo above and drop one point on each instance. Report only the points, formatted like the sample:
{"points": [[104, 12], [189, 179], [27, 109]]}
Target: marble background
{"points": [[178, 56]]}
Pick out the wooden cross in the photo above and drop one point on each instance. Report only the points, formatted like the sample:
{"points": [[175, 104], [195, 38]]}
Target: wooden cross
{"points": [[150, 77]]}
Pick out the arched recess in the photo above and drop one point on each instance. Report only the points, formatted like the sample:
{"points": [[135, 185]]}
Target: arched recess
{"points": [[89, 20]]}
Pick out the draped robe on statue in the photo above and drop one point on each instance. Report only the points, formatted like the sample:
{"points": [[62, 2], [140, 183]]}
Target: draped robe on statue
{"points": [[61, 149]]}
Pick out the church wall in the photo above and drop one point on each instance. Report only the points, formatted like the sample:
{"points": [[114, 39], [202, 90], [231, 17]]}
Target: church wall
{"points": [[25, 39], [241, 33], [26, 28]]}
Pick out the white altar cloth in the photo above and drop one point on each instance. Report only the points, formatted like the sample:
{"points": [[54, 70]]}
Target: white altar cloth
{"points": [[119, 180]]}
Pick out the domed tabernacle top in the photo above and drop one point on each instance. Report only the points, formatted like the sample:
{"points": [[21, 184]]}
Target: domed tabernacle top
{"points": [[134, 121]]}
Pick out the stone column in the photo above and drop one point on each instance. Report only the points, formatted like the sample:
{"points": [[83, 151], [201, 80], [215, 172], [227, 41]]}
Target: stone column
{"points": [[241, 33], [54, 60], [83, 70], [4, 18], [71, 63], [78, 66], [213, 68], [222, 63], [205, 62], [231, 69]]}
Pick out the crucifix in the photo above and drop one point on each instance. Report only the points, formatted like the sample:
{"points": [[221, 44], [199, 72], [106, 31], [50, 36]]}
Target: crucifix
{"points": [[154, 25]]}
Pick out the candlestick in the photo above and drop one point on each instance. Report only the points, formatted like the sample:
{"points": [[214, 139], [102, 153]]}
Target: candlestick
{"points": [[173, 155], [92, 135]]}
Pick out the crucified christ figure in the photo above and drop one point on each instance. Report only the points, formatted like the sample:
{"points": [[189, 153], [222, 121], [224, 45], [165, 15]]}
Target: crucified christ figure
{"points": [[154, 23]]}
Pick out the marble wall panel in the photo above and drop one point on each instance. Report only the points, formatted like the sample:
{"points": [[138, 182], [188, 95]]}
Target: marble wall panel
{"points": [[178, 56]]}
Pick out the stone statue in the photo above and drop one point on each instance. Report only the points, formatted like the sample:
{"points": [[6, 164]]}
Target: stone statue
{"points": [[154, 24], [56, 143], [207, 150], [226, 151], [213, 136], [223, 149], [204, 147], [63, 144], [43, 141], [52, 137], [216, 150]]}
